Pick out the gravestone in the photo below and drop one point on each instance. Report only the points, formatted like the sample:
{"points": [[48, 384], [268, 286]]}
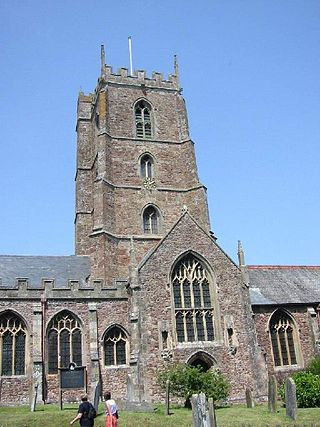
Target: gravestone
{"points": [[167, 408], [200, 411], [291, 399], [272, 394], [212, 413], [34, 398], [249, 399]]}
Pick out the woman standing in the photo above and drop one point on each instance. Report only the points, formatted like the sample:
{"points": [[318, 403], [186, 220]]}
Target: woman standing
{"points": [[111, 411]]}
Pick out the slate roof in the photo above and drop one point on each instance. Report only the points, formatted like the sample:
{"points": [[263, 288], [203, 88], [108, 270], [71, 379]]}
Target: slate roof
{"points": [[281, 284], [36, 268]]}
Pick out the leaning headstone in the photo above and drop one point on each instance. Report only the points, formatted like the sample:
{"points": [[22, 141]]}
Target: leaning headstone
{"points": [[167, 408], [34, 398], [272, 394], [96, 394], [212, 413], [291, 399], [249, 399], [200, 411]]}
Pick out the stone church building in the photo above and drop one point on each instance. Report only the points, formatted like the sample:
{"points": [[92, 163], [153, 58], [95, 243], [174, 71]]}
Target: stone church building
{"points": [[148, 284]]}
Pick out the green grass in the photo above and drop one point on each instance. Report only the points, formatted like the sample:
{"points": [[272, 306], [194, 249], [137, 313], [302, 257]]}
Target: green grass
{"points": [[234, 416]]}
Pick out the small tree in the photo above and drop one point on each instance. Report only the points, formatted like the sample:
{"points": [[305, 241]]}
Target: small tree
{"points": [[186, 380], [314, 366]]}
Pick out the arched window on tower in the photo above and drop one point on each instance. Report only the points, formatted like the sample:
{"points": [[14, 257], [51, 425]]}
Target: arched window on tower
{"points": [[64, 342], [284, 339], [115, 347], [146, 167], [12, 345], [193, 309], [143, 120], [151, 220]]}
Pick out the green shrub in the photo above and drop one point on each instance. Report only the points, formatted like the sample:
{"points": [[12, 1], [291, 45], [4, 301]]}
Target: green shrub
{"points": [[314, 366], [307, 389], [186, 380]]}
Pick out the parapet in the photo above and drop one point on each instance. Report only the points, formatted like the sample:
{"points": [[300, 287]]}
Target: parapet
{"points": [[139, 78]]}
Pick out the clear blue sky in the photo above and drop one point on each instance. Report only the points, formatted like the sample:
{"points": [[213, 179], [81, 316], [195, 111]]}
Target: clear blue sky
{"points": [[250, 71]]}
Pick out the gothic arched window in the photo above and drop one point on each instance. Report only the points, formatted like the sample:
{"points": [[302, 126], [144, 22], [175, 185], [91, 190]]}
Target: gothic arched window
{"points": [[283, 339], [64, 342], [194, 314], [12, 345], [146, 166], [143, 120], [151, 220], [115, 347]]}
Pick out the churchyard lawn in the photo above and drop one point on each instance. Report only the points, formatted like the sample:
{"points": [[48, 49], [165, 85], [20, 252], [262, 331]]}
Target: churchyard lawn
{"points": [[234, 416]]}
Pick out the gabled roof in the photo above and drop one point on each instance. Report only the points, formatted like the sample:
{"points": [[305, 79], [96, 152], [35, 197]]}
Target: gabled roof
{"points": [[61, 269], [284, 284], [193, 222]]}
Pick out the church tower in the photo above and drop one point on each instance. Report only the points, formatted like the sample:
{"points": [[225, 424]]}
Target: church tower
{"points": [[136, 168]]}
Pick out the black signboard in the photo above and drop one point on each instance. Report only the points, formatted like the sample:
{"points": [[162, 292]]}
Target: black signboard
{"points": [[73, 377]]}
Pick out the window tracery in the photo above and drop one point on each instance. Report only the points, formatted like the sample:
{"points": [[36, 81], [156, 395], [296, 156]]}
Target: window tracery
{"points": [[150, 220], [283, 339], [115, 347], [146, 167], [12, 345], [64, 342], [192, 301], [143, 120]]}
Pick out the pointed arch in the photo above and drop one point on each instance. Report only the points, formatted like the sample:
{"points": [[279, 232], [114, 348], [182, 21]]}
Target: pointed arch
{"points": [[151, 220], [146, 166], [194, 300], [143, 119], [115, 346], [13, 342], [64, 341], [202, 359], [284, 339]]}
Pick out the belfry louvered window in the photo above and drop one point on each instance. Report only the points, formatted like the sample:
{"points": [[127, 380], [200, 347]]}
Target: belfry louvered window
{"points": [[64, 342], [283, 339], [193, 309], [143, 120], [115, 347], [12, 345], [146, 166], [150, 220]]}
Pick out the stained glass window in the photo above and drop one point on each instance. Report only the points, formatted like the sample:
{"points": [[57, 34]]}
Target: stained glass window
{"points": [[12, 345], [192, 301], [283, 339], [115, 347], [64, 342]]}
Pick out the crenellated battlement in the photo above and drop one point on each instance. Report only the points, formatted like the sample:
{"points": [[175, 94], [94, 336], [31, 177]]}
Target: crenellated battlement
{"points": [[66, 277], [139, 78], [72, 289]]}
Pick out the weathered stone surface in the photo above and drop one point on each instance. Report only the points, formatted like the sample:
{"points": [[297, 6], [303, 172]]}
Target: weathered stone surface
{"points": [[272, 394], [291, 399]]}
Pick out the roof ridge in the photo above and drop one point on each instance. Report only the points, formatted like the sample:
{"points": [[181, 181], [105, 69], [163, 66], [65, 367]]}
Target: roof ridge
{"points": [[283, 267]]}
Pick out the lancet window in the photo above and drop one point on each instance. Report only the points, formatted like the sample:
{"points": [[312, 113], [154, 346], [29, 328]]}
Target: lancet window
{"points": [[115, 347], [12, 345], [143, 120], [193, 309], [146, 167], [64, 342], [284, 339], [151, 220]]}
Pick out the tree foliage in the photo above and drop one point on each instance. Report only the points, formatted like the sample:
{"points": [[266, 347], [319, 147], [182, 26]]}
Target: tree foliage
{"points": [[307, 389], [314, 366], [186, 380]]}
